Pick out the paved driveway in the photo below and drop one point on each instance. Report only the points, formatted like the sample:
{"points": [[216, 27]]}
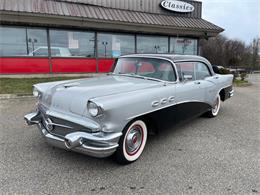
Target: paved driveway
{"points": [[204, 156]]}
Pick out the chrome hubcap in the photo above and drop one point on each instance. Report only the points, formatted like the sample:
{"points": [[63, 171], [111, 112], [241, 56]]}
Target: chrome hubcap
{"points": [[134, 139]]}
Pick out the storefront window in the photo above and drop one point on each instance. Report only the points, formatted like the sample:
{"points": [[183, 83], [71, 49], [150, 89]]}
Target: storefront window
{"points": [[22, 41], [37, 42], [184, 46], [13, 41], [151, 44], [113, 46], [72, 44]]}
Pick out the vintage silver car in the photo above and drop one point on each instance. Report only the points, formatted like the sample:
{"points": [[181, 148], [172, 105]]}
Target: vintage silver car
{"points": [[113, 114]]}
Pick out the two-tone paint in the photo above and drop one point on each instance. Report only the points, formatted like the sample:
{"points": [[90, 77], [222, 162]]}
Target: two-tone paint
{"points": [[63, 105]]}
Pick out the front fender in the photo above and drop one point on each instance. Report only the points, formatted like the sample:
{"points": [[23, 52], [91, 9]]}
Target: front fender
{"points": [[120, 109]]}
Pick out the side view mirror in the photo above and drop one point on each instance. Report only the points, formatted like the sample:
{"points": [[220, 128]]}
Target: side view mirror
{"points": [[187, 77]]}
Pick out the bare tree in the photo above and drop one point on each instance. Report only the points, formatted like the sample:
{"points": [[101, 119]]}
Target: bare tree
{"points": [[227, 52], [212, 49], [255, 46]]}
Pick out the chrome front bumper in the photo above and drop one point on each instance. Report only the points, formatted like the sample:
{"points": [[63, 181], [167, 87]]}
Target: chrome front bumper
{"points": [[93, 144]]}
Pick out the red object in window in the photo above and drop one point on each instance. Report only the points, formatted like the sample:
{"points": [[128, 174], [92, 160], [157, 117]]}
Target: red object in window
{"points": [[165, 67], [146, 67], [23, 65], [189, 66], [128, 67]]}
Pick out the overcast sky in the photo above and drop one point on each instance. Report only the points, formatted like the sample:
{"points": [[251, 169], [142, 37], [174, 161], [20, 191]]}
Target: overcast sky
{"points": [[239, 18]]}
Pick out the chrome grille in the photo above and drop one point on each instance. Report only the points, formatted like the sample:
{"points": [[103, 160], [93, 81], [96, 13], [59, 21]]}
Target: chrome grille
{"points": [[59, 126]]}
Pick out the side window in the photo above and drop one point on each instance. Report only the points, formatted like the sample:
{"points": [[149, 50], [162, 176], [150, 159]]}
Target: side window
{"points": [[202, 71], [186, 71], [166, 71]]}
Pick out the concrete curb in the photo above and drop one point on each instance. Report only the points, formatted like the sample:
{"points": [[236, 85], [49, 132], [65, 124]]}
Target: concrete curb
{"points": [[15, 96]]}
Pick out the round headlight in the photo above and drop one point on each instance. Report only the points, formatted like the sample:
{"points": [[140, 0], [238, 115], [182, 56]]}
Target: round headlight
{"points": [[93, 109], [36, 93]]}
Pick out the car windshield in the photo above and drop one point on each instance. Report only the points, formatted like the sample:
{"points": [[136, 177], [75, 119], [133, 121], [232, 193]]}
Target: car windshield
{"points": [[152, 68]]}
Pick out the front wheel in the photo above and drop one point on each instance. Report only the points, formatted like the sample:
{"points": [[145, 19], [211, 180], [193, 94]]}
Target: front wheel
{"points": [[215, 109], [132, 142]]}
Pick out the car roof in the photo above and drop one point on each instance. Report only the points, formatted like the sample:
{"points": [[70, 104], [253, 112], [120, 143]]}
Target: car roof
{"points": [[172, 57]]}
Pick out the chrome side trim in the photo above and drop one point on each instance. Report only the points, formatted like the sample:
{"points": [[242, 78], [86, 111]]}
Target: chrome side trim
{"points": [[155, 103], [167, 106], [171, 98], [59, 125]]}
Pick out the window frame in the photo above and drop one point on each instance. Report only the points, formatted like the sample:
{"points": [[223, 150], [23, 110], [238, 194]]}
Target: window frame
{"points": [[182, 80], [192, 61], [171, 44], [153, 36], [210, 73], [149, 57], [116, 34], [95, 31], [26, 28], [71, 30]]}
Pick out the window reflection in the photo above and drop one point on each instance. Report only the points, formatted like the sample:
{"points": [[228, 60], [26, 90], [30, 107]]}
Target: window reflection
{"points": [[151, 44], [147, 67], [184, 46], [72, 43], [25, 41], [10, 43], [37, 42], [22, 41], [113, 45]]}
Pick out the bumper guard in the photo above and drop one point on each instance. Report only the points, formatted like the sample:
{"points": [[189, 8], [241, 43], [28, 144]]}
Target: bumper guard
{"points": [[93, 144]]}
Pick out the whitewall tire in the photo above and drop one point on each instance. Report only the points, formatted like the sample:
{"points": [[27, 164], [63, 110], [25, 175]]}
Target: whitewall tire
{"points": [[215, 109], [132, 142]]}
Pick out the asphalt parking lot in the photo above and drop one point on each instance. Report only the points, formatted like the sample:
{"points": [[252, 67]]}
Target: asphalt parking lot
{"points": [[204, 156]]}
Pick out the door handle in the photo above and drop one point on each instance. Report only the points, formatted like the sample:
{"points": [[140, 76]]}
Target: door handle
{"points": [[197, 82], [216, 77]]}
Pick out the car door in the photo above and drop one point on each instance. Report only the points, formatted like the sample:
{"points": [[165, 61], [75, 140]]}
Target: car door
{"points": [[207, 81], [189, 92]]}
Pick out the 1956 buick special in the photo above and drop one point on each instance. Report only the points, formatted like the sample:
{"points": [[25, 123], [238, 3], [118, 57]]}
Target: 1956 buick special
{"points": [[113, 114]]}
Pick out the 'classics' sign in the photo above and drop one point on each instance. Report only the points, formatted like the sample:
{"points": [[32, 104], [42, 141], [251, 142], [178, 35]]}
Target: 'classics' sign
{"points": [[177, 6]]}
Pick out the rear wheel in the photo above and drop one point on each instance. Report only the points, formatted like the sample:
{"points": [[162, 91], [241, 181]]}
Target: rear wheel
{"points": [[132, 142], [215, 109]]}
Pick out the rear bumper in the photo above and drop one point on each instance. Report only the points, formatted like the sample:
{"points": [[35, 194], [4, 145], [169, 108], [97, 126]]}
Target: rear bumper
{"points": [[228, 93], [231, 93], [98, 145]]}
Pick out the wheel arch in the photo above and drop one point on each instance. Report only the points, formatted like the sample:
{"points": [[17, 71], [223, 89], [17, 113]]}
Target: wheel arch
{"points": [[225, 93], [151, 124], [222, 94]]}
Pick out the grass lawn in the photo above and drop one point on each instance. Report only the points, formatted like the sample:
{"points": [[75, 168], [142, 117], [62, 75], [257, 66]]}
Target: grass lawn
{"points": [[24, 85], [240, 83]]}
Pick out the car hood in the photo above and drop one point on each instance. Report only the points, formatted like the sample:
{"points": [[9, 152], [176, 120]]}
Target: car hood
{"points": [[72, 96]]}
